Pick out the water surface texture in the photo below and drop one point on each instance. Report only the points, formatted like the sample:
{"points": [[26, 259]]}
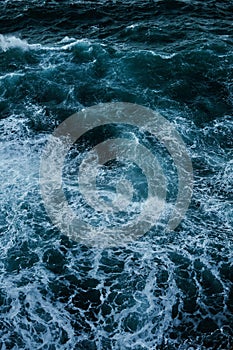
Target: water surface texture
{"points": [[165, 291]]}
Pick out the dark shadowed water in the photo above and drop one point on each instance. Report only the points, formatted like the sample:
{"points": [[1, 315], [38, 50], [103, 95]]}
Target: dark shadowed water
{"points": [[165, 291]]}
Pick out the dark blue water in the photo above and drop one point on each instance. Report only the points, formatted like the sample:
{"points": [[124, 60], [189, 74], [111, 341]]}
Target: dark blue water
{"points": [[167, 290]]}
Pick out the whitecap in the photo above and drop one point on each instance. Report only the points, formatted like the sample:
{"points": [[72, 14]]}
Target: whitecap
{"points": [[11, 42]]}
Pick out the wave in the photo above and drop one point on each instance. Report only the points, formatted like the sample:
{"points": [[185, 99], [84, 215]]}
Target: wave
{"points": [[8, 42]]}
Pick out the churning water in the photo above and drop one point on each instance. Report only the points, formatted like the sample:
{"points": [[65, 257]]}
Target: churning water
{"points": [[165, 290]]}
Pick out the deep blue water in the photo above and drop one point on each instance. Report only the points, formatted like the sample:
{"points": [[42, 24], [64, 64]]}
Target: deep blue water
{"points": [[167, 290]]}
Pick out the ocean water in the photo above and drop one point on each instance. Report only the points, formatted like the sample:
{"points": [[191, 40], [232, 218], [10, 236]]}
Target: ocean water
{"points": [[166, 290]]}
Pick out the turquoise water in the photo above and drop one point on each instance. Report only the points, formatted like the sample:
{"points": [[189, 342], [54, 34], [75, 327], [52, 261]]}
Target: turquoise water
{"points": [[167, 290]]}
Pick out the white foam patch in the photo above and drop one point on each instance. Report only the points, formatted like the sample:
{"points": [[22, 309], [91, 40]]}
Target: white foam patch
{"points": [[12, 42], [8, 42]]}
